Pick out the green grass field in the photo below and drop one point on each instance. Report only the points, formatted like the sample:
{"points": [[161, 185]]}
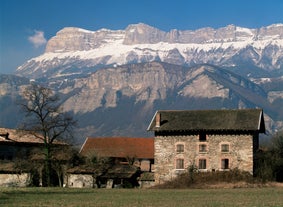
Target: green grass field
{"points": [[141, 197]]}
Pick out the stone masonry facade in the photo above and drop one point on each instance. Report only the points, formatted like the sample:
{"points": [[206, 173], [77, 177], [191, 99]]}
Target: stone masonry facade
{"points": [[175, 154]]}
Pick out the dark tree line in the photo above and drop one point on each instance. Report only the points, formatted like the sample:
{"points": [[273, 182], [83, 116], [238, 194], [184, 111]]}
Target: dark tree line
{"points": [[270, 160]]}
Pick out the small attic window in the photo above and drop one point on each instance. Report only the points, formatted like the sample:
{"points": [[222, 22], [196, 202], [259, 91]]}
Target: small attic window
{"points": [[202, 137], [202, 148], [225, 148]]}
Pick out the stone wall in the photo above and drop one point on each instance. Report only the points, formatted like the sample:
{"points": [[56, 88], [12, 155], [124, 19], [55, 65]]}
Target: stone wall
{"points": [[239, 155], [14, 180], [80, 181]]}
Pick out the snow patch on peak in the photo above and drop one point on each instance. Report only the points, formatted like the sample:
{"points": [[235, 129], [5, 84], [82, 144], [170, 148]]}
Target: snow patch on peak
{"points": [[85, 31], [245, 30], [275, 25]]}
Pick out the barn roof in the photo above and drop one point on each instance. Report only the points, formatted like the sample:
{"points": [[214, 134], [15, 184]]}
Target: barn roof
{"points": [[208, 120], [119, 147], [17, 136]]}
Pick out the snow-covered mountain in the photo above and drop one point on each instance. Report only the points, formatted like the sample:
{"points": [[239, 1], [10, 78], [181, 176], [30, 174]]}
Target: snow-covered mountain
{"points": [[75, 51]]}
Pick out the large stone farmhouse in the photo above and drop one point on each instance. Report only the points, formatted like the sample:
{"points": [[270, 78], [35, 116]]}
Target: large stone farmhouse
{"points": [[210, 140]]}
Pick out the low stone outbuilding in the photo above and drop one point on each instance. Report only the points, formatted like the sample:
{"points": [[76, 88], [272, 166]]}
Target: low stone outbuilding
{"points": [[120, 176], [81, 177], [22, 160], [15, 147], [130, 159], [211, 140]]}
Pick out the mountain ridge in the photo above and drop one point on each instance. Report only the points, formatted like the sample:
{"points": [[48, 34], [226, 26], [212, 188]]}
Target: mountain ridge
{"points": [[74, 50]]}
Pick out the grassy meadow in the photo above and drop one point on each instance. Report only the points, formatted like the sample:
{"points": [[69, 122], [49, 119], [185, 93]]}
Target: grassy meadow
{"points": [[29, 197]]}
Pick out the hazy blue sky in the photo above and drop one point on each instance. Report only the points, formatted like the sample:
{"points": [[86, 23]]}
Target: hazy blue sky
{"points": [[26, 25]]}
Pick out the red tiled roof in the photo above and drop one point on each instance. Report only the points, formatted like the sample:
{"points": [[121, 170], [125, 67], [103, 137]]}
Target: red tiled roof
{"points": [[119, 147]]}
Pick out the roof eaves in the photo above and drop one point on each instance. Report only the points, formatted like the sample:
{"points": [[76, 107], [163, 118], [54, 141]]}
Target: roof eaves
{"points": [[261, 123], [152, 120], [82, 147], [208, 131]]}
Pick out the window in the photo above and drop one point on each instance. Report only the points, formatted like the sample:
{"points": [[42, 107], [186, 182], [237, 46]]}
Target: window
{"points": [[225, 164], [202, 148], [180, 164], [202, 164], [225, 148], [180, 148], [202, 137], [6, 156]]}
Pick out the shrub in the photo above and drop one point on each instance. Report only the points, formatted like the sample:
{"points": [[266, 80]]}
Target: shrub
{"points": [[196, 179]]}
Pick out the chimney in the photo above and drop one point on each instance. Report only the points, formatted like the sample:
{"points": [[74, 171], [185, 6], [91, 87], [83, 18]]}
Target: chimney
{"points": [[157, 119], [5, 135]]}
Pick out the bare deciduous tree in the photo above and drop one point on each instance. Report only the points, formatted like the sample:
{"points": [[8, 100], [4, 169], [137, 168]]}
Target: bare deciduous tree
{"points": [[46, 120]]}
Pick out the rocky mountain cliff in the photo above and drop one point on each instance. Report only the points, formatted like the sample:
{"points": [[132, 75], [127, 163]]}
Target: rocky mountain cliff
{"points": [[75, 51], [120, 101]]}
